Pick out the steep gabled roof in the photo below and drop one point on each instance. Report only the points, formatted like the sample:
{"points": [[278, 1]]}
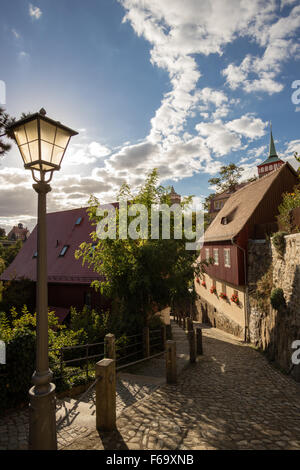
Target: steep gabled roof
{"points": [[61, 230], [240, 206]]}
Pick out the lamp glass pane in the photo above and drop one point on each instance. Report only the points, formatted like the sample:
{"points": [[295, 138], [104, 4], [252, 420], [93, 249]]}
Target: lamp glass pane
{"points": [[31, 130], [24, 149], [57, 155], [62, 138], [46, 151], [45, 167], [34, 150], [47, 131], [20, 135]]}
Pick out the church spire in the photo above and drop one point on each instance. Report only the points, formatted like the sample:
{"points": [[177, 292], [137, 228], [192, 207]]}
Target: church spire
{"points": [[272, 150]]}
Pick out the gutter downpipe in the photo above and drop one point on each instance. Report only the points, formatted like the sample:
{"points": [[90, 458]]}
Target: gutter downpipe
{"points": [[246, 290]]}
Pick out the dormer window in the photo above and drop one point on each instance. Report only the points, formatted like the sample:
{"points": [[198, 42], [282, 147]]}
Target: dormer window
{"points": [[224, 221], [64, 250]]}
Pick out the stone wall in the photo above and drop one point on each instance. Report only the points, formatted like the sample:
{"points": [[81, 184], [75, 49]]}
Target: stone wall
{"points": [[207, 313], [271, 330]]}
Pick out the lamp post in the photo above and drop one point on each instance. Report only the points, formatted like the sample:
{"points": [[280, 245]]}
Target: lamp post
{"points": [[42, 143]]}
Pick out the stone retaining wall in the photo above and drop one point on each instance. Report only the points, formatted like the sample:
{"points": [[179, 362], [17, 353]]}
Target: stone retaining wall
{"points": [[207, 313], [271, 330]]}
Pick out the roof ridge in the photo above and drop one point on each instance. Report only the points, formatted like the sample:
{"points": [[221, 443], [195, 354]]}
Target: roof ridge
{"points": [[261, 178]]}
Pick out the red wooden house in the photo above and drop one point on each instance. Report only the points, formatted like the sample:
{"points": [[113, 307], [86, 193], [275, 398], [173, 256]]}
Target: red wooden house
{"points": [[68, 281], [250, 213]]}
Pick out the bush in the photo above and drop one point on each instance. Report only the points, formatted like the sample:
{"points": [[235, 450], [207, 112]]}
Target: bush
{"points": [[289, 201], [277, 298], [16, 379], [278, 241], [17, 294]]}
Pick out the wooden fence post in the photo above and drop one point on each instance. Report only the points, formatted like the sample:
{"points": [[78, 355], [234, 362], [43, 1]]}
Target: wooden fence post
{"points": [[106, 395], [163, 336], [110, 346], [171, 369], [192, 344], [190, 324], [146, 341], [199, 341], [168, 331]]}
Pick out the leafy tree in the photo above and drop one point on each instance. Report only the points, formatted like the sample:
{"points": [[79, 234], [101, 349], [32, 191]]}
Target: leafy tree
{"points": [[2, 233], [145, 275], [228, 179], [5, 120]]}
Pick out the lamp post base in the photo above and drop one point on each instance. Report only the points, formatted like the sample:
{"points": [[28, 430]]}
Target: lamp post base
{"points": [[42, 419]]}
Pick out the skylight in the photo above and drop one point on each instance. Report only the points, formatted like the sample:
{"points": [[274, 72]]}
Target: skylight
{"points": [[78, 221], [64, 250], [35, 254]]}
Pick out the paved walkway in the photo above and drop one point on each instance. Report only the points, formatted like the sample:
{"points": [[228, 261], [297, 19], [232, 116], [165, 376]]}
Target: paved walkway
{"points": [[76, 418], [230, 399]]}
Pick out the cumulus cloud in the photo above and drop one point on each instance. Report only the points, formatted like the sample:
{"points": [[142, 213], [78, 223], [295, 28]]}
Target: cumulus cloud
{"points": [[86, 153], [248, 126], [35, 12], [280, 43]]}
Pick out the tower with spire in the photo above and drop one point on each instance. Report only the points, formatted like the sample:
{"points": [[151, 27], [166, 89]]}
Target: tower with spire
{"points": [[174, 197], [272, 162]]}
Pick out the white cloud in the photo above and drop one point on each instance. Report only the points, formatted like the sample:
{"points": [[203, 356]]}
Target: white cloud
{"points": [[248, 126], [15, 33], [85, 154], [280, 43], [23, 56], [35, 12], [218, 137]]}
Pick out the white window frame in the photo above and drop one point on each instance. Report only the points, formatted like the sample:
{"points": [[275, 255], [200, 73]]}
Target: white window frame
{"points": [[227, 257], [216, 258], [207, 251]]}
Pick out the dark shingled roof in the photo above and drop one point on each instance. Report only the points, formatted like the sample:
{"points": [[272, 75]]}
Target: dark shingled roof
{"points": [[240, 206]]}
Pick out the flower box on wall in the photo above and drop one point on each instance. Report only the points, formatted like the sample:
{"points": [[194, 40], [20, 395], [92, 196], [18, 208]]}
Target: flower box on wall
{"points": [[203, 283], [223, 296], [213, 290], [235, 299]]}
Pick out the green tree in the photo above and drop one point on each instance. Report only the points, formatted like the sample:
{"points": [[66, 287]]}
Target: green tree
{"points": [[228, 179], [2, 233], [5, 120], [145, 275]]}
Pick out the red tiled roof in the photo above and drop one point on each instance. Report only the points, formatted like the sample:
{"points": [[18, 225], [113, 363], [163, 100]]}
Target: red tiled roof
{"points": [[65, 269]]}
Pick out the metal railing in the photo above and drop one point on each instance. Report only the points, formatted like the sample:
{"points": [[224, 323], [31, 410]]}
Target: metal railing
{"points": [[132, 352]]}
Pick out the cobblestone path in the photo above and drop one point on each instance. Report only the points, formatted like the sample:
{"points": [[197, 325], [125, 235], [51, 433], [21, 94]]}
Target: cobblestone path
{"points": [[230, 399], [76, 418]]}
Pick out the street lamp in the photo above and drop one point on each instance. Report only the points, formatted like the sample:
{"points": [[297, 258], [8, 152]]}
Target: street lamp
{"points": [[42, 143]]}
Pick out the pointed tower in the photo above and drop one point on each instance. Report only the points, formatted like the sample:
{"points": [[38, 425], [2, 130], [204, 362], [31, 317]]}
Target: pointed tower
{"points": [[175, 198], [272, 162]]}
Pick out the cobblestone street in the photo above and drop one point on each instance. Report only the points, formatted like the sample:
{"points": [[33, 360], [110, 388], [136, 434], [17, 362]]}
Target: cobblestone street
{"points": [[230, 399]]}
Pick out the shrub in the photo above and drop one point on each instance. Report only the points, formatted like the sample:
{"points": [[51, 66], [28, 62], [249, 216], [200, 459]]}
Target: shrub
{"points": [[289, 201], [277, 298], [278, 241], [16, 379]]}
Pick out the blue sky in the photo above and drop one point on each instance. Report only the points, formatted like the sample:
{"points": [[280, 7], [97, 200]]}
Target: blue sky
{"points": [[182, 85]]}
